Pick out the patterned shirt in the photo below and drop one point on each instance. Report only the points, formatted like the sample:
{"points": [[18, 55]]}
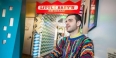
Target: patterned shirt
{"points": [[78, 47]]}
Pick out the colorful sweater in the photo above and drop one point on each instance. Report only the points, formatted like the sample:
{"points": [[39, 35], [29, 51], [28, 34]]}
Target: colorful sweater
{"points": [[79, 47]]}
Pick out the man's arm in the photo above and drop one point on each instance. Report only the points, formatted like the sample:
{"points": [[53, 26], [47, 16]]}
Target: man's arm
{"points": [[87, 50], [57, 52]]}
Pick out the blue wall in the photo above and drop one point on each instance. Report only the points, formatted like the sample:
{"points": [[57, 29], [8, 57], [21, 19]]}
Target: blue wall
{"points": [[104, 35], [12, 47]]}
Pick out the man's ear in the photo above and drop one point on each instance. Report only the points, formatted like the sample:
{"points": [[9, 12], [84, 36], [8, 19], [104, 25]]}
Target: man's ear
{"points": [[78, 23]]}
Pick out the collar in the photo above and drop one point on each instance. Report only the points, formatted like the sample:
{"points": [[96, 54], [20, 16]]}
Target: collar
{"points": [[77, 35], [76, 38]]}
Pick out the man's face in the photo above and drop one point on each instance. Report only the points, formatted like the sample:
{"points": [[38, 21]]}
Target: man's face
{"points": [[71, 24]]}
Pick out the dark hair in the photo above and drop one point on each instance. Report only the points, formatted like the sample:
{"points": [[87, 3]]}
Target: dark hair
{"points": [[77, 17]]}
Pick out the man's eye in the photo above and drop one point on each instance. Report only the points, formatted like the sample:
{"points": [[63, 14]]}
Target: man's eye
{"points": [[65, 21], [70, 20]]}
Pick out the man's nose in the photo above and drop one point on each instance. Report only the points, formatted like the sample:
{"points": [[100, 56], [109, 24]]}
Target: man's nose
{"points": [[67, 23]]}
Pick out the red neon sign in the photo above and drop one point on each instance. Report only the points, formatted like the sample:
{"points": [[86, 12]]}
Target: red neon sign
{"points": [[58, 7]]}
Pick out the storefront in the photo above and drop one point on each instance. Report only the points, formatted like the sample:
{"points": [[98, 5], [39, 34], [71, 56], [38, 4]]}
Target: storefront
{"points": [[45, 27]]}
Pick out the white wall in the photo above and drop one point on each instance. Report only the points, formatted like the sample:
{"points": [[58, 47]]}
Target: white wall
{"points": [[104, 35]]}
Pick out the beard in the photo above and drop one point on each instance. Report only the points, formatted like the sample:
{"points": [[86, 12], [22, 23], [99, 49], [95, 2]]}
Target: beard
{"points": [[72, 29]]}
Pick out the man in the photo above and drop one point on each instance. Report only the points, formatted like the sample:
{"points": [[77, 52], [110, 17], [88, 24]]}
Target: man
{"points": [[77, 45]]}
